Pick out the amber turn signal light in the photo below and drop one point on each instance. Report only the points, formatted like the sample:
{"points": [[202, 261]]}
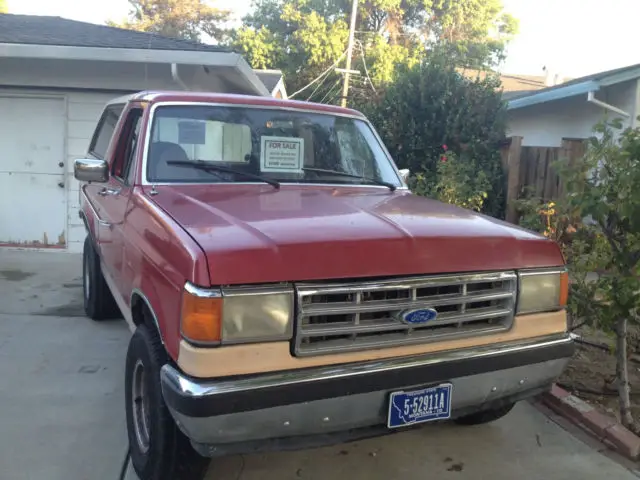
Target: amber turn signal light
{"points": [[201, 318], [564, 289]]}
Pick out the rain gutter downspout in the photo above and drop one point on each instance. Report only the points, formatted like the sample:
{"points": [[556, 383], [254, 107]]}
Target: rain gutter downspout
{"points": [[591, 98], [176, 76]]}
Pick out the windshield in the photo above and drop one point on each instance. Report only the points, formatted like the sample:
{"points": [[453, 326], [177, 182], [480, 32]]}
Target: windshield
{"points": [[281, 145]]}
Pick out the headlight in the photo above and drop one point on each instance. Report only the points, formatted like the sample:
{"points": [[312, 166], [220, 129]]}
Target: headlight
{"points": [[237, 314], [254, 314], [542, 290]]}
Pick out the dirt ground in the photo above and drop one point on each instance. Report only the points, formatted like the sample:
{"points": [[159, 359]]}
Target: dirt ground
{"points": [[591, 373]]}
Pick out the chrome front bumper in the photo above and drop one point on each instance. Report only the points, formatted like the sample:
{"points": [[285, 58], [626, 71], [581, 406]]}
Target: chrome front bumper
{"points": [[220, 415]]}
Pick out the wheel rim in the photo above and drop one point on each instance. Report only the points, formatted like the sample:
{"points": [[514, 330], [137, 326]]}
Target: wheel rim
{"points": [[87, 279], [140, 406]]}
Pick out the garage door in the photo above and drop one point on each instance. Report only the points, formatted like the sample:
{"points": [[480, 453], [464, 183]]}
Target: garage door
{"points": [[32, 191]]}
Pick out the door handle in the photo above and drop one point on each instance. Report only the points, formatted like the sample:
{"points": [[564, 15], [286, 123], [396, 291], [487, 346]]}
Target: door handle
{"points": [[108, 191]]}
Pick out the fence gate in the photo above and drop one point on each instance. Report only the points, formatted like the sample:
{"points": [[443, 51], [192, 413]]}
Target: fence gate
{"points": [[531, 168]]}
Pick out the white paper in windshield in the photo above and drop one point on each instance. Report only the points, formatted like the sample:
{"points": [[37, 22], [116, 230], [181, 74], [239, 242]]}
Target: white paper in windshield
{"points": [[281, 154]]}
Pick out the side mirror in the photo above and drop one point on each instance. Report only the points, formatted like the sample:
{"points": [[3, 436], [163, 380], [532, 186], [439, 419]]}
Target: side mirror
{"points": [[91, 170], [404, 173]]}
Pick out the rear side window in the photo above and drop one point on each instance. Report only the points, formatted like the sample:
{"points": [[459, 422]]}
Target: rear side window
{"points": [[104, 132]]}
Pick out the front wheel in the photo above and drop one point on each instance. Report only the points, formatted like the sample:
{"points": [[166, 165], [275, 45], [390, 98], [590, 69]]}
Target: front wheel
{"points": [[159, 450], [485, 416], [99, 303]]}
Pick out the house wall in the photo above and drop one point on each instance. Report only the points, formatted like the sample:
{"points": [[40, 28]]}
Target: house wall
{"points": [[546, 124], [85, 88]]}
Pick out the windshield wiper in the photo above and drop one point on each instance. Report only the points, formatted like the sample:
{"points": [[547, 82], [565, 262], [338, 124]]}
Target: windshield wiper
{"points": [[211, 167], [390, 186]]}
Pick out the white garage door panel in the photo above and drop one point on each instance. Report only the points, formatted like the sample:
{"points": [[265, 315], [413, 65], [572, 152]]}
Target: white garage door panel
{"points": [[32, 134], [32, 193], [32, 211]]}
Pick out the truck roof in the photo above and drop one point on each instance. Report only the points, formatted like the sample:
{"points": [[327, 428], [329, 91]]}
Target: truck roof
{"points": [[232, 99]]}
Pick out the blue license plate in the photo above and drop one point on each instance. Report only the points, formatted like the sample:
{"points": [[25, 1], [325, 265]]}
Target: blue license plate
{"points": [[418, 406]]}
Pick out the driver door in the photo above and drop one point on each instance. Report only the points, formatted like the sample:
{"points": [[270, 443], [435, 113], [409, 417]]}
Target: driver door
{"points": [[115, 197]]}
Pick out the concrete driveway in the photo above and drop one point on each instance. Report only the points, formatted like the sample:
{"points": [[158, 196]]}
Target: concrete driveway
{"points": [[62, 407]]}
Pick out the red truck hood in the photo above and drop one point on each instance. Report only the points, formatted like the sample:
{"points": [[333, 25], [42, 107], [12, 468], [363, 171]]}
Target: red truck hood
{"points": [[256, 234]]}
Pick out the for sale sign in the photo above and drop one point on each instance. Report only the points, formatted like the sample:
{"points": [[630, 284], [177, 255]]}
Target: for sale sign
{"points": [[282, 154]]}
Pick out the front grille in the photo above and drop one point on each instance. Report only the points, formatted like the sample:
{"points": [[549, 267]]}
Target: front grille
{"points": [[343, 317]]}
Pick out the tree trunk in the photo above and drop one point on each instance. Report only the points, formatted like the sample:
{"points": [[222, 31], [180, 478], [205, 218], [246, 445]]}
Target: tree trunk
{"points": [[622, 373]]}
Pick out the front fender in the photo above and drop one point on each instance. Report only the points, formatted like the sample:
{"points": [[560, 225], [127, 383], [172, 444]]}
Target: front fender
{"points": [[160, 258], [163, 298]]}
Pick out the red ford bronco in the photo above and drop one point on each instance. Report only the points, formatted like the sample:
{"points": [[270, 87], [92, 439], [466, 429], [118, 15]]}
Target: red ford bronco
{"points": [[285, 289]]}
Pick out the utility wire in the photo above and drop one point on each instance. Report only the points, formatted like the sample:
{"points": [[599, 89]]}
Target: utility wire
{"points": [[318, 86], [347, 69], [319, 76], [336, 84], [330, 90], [364, 62], [335, 97]]}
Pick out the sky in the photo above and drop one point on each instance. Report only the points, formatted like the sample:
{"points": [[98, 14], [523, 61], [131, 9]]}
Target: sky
{"points": [[571, 37]]}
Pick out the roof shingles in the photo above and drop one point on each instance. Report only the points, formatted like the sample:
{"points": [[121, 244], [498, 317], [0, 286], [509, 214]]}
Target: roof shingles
{"points": [[40, 30]]}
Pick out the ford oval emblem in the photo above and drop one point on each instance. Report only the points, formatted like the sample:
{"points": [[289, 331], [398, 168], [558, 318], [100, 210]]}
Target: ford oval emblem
{"points": [[419, 316]]}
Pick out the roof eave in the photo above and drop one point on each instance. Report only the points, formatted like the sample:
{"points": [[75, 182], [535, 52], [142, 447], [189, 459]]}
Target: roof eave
{"points": [[544, 96], [631, 74], [246, 70], [133, 55]]}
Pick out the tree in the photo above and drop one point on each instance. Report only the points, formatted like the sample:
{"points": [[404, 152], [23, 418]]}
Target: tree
{"points": [[3, 6], [300, 38], [188, 19], [429, 111], [305, 37], [603, 189]]}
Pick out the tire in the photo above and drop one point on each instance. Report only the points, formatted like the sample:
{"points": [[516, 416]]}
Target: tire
{"points": [[485, 416], [98, 300], [158, 449]]}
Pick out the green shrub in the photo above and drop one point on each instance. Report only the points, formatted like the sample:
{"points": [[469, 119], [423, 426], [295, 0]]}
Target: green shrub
{"points": [[457, 181], [431, 105]]}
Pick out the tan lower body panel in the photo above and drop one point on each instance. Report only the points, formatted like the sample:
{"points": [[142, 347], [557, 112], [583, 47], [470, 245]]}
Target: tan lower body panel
{"points": [[275, 356]]}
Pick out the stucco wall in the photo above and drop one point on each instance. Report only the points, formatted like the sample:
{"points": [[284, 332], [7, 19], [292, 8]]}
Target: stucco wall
{"points": [[546, 124]]}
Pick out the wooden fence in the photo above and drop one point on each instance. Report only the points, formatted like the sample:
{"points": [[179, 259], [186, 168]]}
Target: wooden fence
{"points": [[532, 168]]}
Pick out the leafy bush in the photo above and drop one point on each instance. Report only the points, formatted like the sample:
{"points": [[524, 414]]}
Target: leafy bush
{"points": [[457, 181], [557, 221], [432, 104], [583, 248]]}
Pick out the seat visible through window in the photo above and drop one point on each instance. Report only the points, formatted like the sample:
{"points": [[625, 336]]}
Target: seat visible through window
{"points": [[160, 153]]}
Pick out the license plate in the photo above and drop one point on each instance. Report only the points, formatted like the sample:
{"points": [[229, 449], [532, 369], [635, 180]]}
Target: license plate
{"points": [[418, 406]]}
